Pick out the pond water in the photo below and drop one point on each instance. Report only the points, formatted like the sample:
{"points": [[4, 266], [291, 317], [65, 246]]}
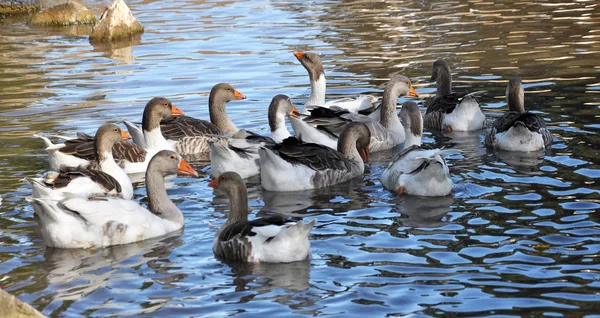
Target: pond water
{"points": [[520, 235]]}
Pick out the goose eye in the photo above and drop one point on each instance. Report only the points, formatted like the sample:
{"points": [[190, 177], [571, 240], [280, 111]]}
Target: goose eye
{"points": [[173, 157], [116, 129]]}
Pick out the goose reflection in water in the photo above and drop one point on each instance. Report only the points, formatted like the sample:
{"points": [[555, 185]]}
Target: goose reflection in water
{"points": [[423, 212], [522, 162], [79, 272], [265, 277]]}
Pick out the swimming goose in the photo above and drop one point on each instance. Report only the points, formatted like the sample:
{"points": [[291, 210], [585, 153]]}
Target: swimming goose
{"points": [[79, 222], [272, 239], [240, 152], [325, 125], [312, 63], [417, 170], [518, 130], [293, 166], [446, 111], [190, 135], [102, 176], [132, 157]]}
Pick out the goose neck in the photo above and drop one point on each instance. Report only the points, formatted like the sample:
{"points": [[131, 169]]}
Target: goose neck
{"points": [[158, 200], [317, 91], [218, 115]]}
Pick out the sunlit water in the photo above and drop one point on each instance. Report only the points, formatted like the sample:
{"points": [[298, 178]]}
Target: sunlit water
{"points": [[520, 235]]}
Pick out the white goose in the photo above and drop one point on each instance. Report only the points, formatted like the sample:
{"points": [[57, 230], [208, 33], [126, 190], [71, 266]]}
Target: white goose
{"points": [[103, 176], [79, 222], [417, 170], [313, 64], [240, 152], [446, 111], [325, 125], [272, 239], [294, 166], [518, 130], [131, 157]]}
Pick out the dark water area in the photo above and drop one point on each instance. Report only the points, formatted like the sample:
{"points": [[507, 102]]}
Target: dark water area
{"points": [[518, 237]]}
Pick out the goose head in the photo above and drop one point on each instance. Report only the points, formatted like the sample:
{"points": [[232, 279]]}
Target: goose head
{"points": [[157, 109], [224, 93], [355, 137], [400, 85], [281, 106], [312, 63], [220, 95], [442, 75], [232, 184], [106, 137], [167, 162]]}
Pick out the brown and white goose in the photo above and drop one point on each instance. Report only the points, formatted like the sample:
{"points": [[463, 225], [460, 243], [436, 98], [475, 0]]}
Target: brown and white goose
{"points": [[448, 112], [240, 152], [316, 74], [518, 130], [80, 222], [272, 239], [190, 135], [324, 126], [293, 166], [132, 157], [102, 177]]}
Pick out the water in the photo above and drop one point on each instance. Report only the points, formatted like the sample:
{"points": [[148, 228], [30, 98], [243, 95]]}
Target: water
{"points": [[520, 236]]}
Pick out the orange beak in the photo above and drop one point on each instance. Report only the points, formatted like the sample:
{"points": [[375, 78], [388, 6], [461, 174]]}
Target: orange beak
{"points": [[295, 111], [364, 154], [299, 55], [237, 95], [412, 92], [125, 135], [214, 183], [185, 169], [176, 111]]}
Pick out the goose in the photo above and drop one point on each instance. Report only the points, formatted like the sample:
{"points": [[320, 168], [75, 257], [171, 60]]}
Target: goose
{"points": [[446, 111], [240, 152], [132, 157], [272, 239], [294, 166], [325, 125], [518, 130], [102, 176], [81, 222], [417, 170], [313, 65], [192, 136]]}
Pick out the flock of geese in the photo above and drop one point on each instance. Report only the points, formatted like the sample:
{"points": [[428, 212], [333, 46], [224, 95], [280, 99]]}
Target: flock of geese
{"points": [[87, 201]]}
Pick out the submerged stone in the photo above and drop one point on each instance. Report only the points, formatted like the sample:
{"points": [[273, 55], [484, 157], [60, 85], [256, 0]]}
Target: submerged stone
{"points": [[116, 23], [11, 306], [68, 13], [12, 7]]}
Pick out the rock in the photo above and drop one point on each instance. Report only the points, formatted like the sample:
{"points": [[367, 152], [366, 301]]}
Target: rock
{"points": [[11, 306], [116, 23], [68, 13], [12, 7]]}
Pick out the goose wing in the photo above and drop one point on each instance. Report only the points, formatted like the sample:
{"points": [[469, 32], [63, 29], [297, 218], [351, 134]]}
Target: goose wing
{"points": [[444, 104], [105, 180], [315, 156], [178, 127]]}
